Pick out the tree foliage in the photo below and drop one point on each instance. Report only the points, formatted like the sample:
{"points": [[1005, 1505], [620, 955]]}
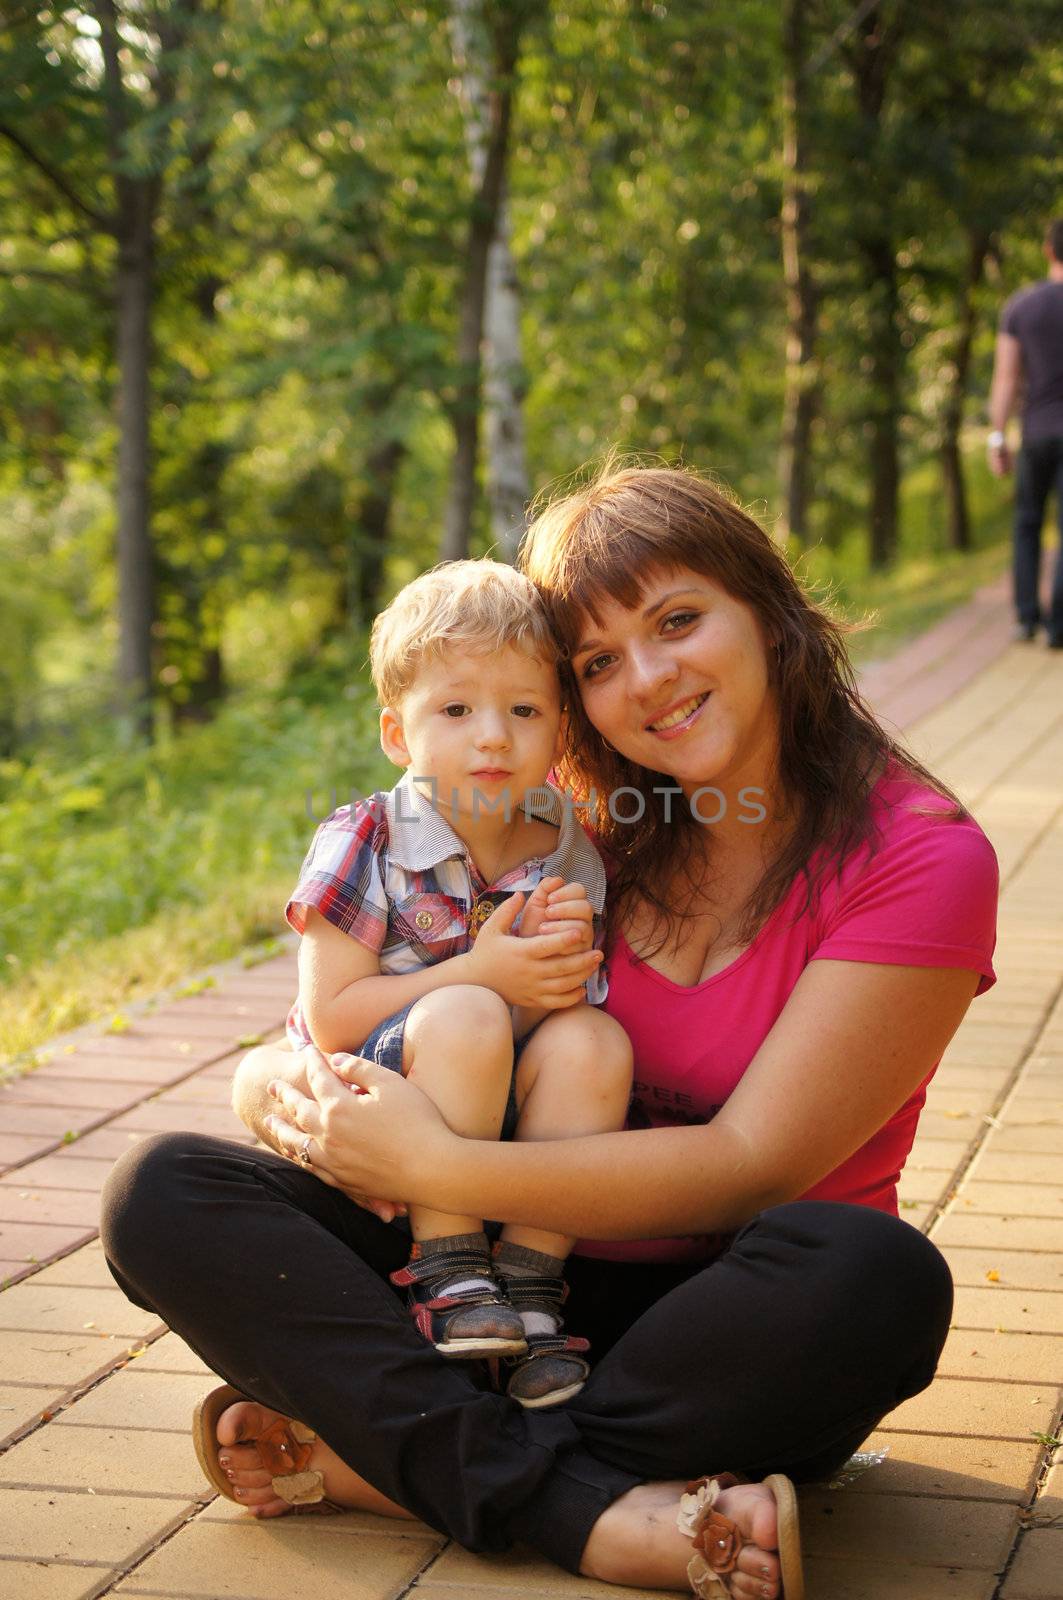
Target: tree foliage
{"points": [[249, 229]]}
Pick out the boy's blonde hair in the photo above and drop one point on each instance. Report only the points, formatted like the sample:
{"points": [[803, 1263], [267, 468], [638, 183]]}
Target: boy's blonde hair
{"points": [[483, 605]]}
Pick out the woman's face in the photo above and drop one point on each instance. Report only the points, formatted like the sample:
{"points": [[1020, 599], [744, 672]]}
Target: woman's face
{"points": [[680, 683]]}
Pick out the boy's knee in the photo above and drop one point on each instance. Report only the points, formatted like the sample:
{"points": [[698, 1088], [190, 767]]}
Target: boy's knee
{"points": [[465, 1011], [587, 1042]]}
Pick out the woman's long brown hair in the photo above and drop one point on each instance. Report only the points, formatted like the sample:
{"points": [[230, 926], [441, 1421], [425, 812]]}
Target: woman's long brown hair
{"points": [[605, 540]]}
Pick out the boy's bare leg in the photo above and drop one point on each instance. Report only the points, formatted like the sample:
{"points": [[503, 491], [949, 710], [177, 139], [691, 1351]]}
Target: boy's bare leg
{"points": [[467, 1081], [574, 1077]]}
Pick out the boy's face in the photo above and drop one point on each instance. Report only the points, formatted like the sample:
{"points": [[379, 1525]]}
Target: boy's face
{"points": [[484, 725]]}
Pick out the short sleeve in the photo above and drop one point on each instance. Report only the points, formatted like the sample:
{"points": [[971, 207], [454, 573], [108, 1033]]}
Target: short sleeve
{"points": [[341, 877], [926, 897], [1009, 319]]}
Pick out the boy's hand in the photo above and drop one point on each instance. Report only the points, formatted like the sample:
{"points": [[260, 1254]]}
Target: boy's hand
{"points": [[547, 969]]}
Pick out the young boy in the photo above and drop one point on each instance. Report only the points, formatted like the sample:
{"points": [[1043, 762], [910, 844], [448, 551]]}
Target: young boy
{"points": [[448, 930]]}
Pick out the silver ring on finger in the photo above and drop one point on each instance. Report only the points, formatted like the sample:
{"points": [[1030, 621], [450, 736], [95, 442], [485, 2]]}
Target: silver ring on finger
{"points": [[302, 1155]]}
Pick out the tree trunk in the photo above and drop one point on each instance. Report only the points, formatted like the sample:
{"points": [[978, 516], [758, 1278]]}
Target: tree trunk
{"points": [[885, 407], [374, 528], [802, 378], [872, 57], [135, 293], [508, 490], [505, 25], [958, 526]]}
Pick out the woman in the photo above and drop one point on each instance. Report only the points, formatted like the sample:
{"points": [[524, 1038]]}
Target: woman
{"points": [[801, 917]]}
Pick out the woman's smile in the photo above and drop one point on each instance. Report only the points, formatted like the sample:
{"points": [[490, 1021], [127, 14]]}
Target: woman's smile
{"points": [[677, 718]]}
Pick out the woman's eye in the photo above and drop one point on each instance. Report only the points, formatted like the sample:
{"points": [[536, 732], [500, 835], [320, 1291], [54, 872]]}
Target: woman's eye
{"points": [[596, 665], [680, 619], [454, 711]]}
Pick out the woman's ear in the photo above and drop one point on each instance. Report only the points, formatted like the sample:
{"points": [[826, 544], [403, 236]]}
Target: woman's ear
{"points": [[392, 740]]}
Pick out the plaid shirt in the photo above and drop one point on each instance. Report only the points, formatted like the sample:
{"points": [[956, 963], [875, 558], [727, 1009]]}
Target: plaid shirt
{"points": [[392, 873]]}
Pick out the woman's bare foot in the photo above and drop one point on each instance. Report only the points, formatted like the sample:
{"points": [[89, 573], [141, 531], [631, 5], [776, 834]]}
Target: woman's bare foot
{"points": [[636, 1541], [238, 1428]]}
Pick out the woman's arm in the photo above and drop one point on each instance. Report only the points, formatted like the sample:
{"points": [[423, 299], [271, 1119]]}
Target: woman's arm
{"points": [[853, 1042]]}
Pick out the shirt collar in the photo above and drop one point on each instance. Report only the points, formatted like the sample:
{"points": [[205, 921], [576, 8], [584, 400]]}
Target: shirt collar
{"points": [[420, 838]]}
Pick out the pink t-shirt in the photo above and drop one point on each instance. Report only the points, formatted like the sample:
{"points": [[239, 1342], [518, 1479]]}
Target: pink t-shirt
{"points": [[924, 896]]}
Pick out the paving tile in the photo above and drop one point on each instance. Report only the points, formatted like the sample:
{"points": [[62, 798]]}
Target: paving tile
{"points": [[949, 1467], [158, 1116], [1036, 1137], [922, 1188], [285, 1556], [498, 1591], [152, 1072], [65, 1207], [57, 1308], [12, 1271], [1002, 1357], [948, 1101], [350, 1523], [952, 1125], [22, 1146], [157, 1401], [104, 1144], [199, 1090], [1014, 1310], [188, 1025], [56, 1120], [517, 1572], [1004, 1233], [1035, 1574], [1009, 1199], [182, 1052], [61, 1360], [1049, 1502], [1019, 1166], [171, 1354], [106, 1460], [35, 1089], [54, 1524], [59, 1171], [860, 1580], [1013, 1269], [40, 1241], [24, 1403], [906, 1530], [941, 1155], [51, 1580], [82, 1269], [987, 1409]]}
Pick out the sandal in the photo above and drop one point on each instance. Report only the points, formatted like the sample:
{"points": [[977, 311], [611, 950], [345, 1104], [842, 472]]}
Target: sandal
{"points": [[718, 1542], [459, 1305], [553, 1371], [284, 1447]]}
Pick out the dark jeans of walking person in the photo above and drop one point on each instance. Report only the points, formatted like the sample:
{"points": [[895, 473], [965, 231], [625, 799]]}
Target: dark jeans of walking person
{"points": [[1039, 473], [780, 1355]]}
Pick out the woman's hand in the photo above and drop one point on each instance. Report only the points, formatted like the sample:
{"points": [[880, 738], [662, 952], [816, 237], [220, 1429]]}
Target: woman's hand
{"points": [[367, 1139]]}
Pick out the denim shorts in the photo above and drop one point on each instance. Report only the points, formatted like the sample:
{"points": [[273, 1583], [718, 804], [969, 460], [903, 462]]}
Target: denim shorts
{"points": [[384, 1046]]}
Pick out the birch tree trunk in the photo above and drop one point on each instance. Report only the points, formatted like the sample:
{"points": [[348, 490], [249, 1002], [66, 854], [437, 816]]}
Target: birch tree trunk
{"points": [[802, 388], [872, 58], [490, 281], [508, 490]]}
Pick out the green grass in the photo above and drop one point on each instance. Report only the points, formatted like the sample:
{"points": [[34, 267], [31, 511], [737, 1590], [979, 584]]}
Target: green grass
{"points": [[123, 874], [123, 871]]}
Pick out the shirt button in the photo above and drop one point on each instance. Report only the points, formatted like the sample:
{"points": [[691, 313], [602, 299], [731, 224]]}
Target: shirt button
{"points": [[424, 919]]}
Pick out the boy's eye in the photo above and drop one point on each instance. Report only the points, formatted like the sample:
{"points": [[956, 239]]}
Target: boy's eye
{"points": [[525, 711], [455, 710]]}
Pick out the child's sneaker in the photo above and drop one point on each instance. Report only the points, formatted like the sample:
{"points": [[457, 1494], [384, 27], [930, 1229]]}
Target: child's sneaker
{"points": [[553, 1370], [459, 1305]]}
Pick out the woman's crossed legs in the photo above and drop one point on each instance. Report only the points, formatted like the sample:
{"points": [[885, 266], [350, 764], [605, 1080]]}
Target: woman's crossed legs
{"points": [[782, 1355]]}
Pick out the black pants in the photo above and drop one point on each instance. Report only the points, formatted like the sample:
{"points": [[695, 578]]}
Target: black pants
{"points": [[781, 1355], [1039, 471]]}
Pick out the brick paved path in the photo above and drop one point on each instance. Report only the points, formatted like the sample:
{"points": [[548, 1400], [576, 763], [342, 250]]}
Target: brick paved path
{"points": [[99, 1488]]}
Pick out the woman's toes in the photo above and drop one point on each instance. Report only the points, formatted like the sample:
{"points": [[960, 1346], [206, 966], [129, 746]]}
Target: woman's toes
{"points": [[246, 1419], [760, 1569]]}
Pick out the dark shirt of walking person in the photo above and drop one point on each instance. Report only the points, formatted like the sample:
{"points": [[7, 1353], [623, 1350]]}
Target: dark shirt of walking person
{"points": [[1029, 358]]}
